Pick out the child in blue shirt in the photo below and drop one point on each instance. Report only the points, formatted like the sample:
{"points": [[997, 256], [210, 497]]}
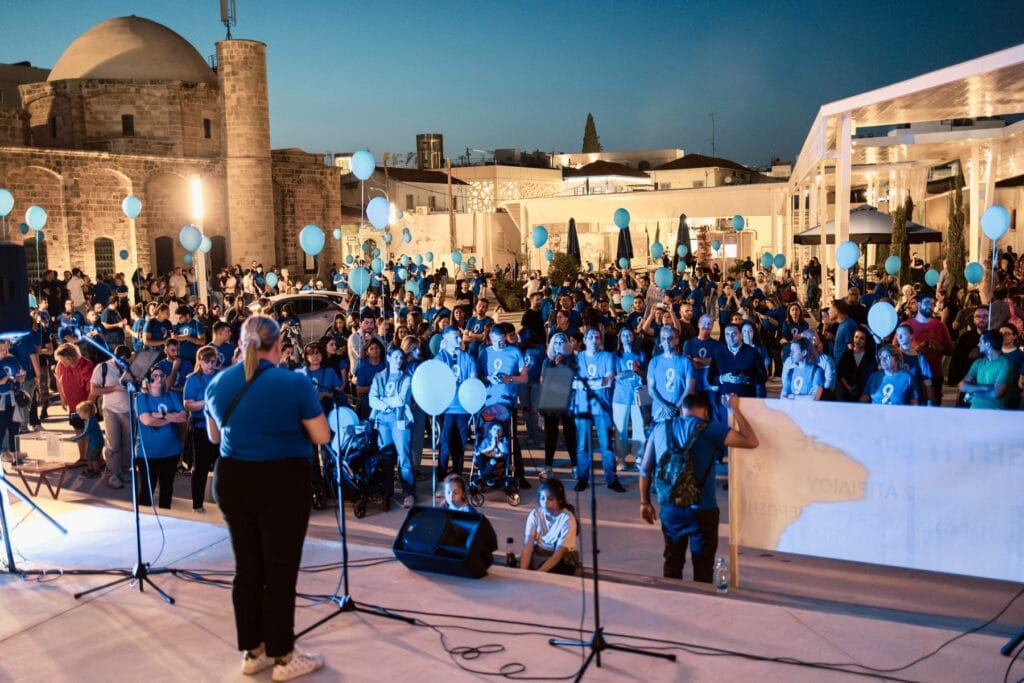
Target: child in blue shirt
{"points": [[94, 451]]}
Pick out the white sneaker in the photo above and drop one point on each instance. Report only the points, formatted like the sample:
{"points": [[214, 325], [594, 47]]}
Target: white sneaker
{"points": [[254, 665], [408, 502], [302, 663]]}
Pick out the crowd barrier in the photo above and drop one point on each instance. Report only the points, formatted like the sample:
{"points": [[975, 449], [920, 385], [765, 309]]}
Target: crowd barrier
{"points": [[938, 489]]}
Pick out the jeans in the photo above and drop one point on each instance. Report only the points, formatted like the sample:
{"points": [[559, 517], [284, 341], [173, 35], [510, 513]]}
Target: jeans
{"points": [[266, 507], [551, 422], [205, 454], [119, 443], [397, 432], [29, 387], [161, 473], [703, 545], [531, 418], [8, 427], [628, 419], [454, 433], [419, 422], [585, 448]]}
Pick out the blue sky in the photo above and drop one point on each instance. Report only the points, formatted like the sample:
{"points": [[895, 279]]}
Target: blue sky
{"points": [[345, 75]]}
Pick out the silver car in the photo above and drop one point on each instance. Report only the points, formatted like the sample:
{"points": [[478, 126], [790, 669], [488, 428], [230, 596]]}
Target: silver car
{"points": [[315, 310]]}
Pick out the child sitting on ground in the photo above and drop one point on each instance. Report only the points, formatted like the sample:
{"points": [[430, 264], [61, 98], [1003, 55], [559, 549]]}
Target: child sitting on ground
{"points": [[551, 530], [455, 497], [86, 410]]}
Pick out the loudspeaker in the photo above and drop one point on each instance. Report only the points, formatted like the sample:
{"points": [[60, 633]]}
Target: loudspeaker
{"points": [[446, 542], [555, 389], [14, 315]]}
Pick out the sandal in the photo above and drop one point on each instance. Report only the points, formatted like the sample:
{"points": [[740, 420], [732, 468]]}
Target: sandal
{"points": [[81, 462]]}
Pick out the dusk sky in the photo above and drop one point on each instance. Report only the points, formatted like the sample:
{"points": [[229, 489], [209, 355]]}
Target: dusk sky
{"points": [[346, 75]]}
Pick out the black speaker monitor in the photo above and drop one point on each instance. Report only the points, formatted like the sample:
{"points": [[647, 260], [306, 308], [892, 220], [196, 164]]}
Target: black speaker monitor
{"points": [[446, 542], [14, 315]]}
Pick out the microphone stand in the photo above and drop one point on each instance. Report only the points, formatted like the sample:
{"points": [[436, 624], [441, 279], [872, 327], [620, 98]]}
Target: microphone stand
{"points": [[344, 602], [11, 568], [141, 572], [597, 643]]}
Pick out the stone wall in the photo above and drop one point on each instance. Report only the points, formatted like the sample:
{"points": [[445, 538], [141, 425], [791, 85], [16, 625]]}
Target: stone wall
{"points": [[13, 127], [305, 192]]}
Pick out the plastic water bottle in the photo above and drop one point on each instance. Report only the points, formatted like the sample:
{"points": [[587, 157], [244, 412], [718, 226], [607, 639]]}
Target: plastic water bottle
{"points": [[721, 575], [510, 553]]}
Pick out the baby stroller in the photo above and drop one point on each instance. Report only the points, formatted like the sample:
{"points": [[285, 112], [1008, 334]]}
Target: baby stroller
{"points": [[367, 472], [493, 466]]}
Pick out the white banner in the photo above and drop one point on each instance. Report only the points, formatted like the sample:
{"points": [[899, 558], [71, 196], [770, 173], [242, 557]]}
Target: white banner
{"points": [[939, 489]]}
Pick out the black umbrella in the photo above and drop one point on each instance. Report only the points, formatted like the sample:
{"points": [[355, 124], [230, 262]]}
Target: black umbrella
{"points": [[683, 237], [573, 246], [625, 248], [868, 226]]}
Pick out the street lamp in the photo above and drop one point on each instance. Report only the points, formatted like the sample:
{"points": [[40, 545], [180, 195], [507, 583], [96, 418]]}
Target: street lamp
{"points": [[199, 257]]}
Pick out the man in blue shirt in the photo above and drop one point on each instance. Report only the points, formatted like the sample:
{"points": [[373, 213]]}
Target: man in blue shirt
{"points": [[738, 368], [477, 326], [595, 370], [701, 350], [840, 312], [695, 525], [189, 333], [158, 329]]}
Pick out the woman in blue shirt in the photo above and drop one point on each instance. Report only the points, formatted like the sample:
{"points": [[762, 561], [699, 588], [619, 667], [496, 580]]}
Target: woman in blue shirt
{"points": [[324, 380], [627, 413], [892, 385], [371, 362], [158, 446], [802, 378], [390, 395], [266, 421], [204, 453], [11, 373]]}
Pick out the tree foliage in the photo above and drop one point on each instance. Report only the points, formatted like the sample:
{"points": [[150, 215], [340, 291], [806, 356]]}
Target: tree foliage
{"points": [[900, 244], [591, 142], [561, 268], [956, 251]]}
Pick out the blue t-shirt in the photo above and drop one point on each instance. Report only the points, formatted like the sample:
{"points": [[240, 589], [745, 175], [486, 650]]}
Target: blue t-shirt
{"points": [[69, 321], [844, 335], [593, 367], [158, 442], [193, 328], [324, 380], [178, 379], [137, 327], [1016, 358], [495, 364], [195, 390], [157, 329], [896, 389], [695, 347], [23, 349], [477, 326], [630, 368], [667, 377], [366, 371], [677, 520], [225, 353], [533, 356], [111, 316], [802, 380], [267, 422], [8, 366], [463, 367]]}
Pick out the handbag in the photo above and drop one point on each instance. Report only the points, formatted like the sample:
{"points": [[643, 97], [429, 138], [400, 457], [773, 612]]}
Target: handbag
{"points": [[676, 479], [22, 399]]}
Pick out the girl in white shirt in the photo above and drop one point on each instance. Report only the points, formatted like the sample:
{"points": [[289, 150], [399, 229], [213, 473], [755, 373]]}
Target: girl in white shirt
{"points": [[551, 530]]}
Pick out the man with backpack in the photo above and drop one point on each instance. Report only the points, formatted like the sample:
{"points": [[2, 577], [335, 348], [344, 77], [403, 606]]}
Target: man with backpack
{"points": [[682, 468]]}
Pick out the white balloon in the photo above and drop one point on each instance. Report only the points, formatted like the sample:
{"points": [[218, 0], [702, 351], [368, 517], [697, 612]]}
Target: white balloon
{"points": [[472, 395], [433, 386]]}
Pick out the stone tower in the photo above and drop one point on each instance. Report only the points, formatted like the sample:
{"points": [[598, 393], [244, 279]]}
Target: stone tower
{"points": [[242, 74]]}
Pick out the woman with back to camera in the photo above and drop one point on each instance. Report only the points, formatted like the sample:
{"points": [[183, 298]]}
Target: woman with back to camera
{"points": [[205, 453], [266, 421]]}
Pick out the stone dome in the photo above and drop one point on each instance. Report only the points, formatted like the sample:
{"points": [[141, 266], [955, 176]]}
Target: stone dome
{"points": [[132, 49]]}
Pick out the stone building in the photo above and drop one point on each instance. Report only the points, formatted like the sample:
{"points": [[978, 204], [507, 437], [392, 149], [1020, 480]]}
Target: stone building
{"points": [[132, 108]]}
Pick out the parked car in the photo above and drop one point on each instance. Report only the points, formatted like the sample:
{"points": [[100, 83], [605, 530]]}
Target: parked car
{"points": [[315, 310]]}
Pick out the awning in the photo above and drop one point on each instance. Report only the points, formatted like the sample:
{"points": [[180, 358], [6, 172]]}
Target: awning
{"points": [[868, 226]]}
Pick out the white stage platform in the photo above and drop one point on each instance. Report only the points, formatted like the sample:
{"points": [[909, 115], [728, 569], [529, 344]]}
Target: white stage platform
{"points": [[122, 634]]}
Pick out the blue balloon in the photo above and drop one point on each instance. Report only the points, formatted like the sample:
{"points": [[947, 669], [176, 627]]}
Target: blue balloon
{"points": [[418, 260], [311, 239], [621, 218], [378, 212], [892, 265], [847, 254], [716, 244], [6, 201], [682, 250], [657, 250], [23, 228], [456, 257], [433, 385], [407, 237], [429, 256], [402, 274], [404, 260], [388, 237], [131, 206], [738, 223], [472, 260], [349, 259], [780, 260], [540, 236], [376, 252], [205, 245], [35, 216], [32, 303], [359, 280], [974, 272], [190, 238], [363, 164], [413, 286], [623, 262], [663, 277], [188, 259], [124, 254], [549, 255], [627, 302], [271, 279], [995, 221], [931, 278], [737, 285], [767, 260], [336, 233], [472, 395], [378, 265], [882, 319], [681, 267]]}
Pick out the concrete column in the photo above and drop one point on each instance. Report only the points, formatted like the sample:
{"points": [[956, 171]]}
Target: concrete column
{"points": [[844, 132], [826, 255], [973, 178]]}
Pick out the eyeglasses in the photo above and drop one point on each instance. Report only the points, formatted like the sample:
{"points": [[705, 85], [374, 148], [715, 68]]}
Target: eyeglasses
{"points": [[156, 375]]}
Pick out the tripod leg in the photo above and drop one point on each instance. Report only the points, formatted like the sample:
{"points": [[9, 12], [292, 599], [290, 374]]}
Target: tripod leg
{"points": [[126, 577], [1012, 644], [167, 598]]}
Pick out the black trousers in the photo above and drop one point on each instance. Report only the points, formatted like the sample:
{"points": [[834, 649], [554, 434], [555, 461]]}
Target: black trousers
{"points": [[266, 506], [551, 422], [703, 545], [205, 455], [161, 473]]}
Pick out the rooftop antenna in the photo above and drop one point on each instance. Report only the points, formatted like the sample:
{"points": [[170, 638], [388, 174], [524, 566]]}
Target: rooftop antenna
{"points": [[228, 15], [713, 114]]}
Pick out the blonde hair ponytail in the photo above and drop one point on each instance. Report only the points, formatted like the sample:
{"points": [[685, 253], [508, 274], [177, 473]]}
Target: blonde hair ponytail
{"points": [[259, 333]]}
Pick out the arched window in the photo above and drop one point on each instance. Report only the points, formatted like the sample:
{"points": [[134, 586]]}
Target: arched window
{"points": [[164, 255], [103, 252], [35, 256], [218, 253]]}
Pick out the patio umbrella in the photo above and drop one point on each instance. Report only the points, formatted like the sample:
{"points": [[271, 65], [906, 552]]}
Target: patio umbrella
{"points": [[625, 247], [868, 226], [683, 237], [573, 246]]}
